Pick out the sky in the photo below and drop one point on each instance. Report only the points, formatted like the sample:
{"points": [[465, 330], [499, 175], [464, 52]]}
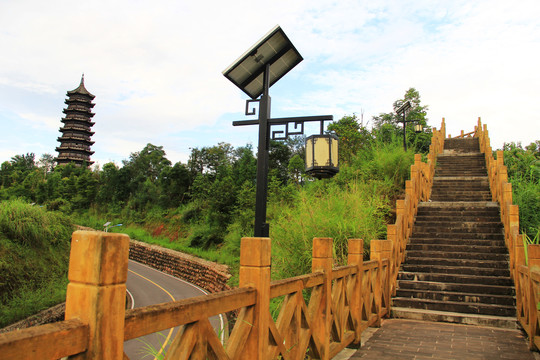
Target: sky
{"points": [[155, 67]]}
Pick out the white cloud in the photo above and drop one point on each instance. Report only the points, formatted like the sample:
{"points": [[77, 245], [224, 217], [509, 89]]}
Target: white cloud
{"points": [[155, 68]]}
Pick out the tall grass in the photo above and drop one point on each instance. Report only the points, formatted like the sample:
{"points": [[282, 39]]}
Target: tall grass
{"points": [[34, 252], [325, 209]]}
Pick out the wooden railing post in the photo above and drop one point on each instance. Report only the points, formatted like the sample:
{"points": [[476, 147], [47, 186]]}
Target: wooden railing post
{"points": [[379, 250], [533, 254], [322, 261], [395, 256], [96, 293], [255, 260], [356, 257]]}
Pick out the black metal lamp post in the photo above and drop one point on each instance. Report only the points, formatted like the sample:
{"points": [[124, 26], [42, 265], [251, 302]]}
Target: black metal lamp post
{"points": [[403, 110], [254, 72]]}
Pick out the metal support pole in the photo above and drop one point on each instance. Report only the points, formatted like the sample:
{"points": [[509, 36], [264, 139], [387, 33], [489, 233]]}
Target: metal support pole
{"points": [[404, 133], [261, 227]]}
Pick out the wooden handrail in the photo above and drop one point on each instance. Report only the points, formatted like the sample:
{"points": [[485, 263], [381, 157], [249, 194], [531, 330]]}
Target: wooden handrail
{"points": [[50, 341], [526, 277], [150, 319]]}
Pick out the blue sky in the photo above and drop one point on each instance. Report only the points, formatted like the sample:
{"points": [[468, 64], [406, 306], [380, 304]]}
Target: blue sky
{"points": [[155, 67]]}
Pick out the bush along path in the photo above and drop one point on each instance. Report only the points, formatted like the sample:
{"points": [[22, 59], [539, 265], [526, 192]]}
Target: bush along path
{"points": [[456, 267]]}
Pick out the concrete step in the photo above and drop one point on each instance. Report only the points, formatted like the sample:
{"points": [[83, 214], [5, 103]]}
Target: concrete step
{"points": [[464, 242], [457, 296], [456, 306], [471, 205], [453, 223], [456, 270], [458, 235], [490, 264], [465, 227], [457, 251], [425, 217], [457, 287], [456, 278], [507, 322]]}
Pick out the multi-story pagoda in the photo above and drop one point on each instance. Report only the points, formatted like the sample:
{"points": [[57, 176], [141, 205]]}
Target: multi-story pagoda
{"points": [[76, 136]]}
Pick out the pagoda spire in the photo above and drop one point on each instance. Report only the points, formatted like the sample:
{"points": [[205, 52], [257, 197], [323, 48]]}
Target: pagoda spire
{"points": [[76, 137]]}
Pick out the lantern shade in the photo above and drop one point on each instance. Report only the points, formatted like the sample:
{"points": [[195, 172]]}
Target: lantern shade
{"points": [[418, 128], [322, 156]]}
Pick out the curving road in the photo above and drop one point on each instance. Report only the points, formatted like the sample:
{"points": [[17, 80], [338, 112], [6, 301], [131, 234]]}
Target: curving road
{"points": [[148, 286]]}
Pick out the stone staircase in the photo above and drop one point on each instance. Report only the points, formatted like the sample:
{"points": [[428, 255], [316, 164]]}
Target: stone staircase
{"points": [[456, 267]]}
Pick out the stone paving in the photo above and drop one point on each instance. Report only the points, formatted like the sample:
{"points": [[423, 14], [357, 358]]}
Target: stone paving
{"points": [[411, 339]]}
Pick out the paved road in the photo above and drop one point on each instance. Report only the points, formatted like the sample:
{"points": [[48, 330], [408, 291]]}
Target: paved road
{"points": [[148, 286]]}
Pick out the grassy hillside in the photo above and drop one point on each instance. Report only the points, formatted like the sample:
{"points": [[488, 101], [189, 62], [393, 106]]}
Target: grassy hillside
{"points": [[34, 256]]}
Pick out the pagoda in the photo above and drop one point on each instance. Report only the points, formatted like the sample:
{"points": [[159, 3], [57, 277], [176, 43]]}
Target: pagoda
{"points": [[76, 136]]}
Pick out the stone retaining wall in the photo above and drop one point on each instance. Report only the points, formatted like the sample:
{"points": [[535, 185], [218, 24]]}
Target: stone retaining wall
{"points": [[208, 275]]}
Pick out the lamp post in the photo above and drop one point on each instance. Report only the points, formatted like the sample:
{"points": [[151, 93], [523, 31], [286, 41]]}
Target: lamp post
{"points": [[254, 73], [403, 110]]}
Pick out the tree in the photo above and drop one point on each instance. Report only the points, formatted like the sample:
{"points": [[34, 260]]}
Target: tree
{"points": [[387, 126], [352, 134], [46, 163]]}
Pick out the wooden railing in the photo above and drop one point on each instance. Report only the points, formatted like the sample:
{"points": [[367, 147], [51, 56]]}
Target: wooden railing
{"points": [[417, 189], [526, 278], [320, 313]]}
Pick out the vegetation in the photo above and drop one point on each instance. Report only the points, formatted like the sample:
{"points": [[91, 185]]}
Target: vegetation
{"points": [[206, 205], [34, 252], [523, 166]]}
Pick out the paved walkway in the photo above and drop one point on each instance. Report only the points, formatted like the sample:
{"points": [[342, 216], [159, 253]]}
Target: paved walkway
{"points": [[411, 339]]}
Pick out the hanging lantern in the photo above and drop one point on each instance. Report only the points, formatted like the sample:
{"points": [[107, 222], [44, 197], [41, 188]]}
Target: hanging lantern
{"points": [[418, 128], [322, 156]]}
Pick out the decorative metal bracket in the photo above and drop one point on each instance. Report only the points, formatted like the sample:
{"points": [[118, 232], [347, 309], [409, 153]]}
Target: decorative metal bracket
{"points": [[276, 134], [253, 111], [296, 122]]}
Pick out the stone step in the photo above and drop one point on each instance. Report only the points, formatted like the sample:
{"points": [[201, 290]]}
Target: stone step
{"points": [[457, 287], [465, 242], [458, 216], [458, 235], [491, 264], [460, 189], [456, 296], [507, 322], [455, 306], [459, 172], [452, 223], [466, 226], [455, 278], [462, 251], [457, 270], [472, 205]]}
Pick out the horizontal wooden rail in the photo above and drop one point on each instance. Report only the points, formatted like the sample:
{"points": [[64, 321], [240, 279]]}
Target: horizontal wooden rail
{"points": [[50, 341], [153, 318], [290, 285]]}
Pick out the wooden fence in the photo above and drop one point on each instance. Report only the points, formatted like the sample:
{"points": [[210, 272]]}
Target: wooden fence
{"points": [[526, 277], [321, 312]]}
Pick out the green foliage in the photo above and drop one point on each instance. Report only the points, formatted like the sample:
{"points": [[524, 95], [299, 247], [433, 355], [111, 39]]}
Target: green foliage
{"points": [[34, 250], [523, 165], [353, 136]]}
